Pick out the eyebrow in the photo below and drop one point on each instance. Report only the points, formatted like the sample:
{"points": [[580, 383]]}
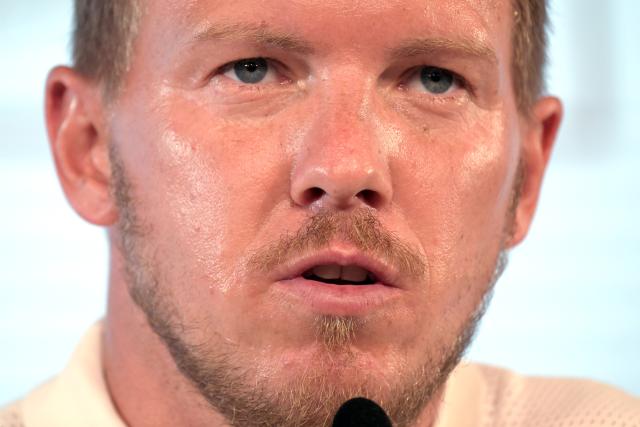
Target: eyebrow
{"points": [[261, 35], [432, 46], [257, 34]]}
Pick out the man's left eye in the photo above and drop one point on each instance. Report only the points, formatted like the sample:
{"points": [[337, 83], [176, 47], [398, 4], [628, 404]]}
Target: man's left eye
{"points": [[250, 71], [434, 80]]}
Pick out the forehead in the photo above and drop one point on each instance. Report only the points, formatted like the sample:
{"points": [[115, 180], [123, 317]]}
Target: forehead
{"points": [[327, 23]]}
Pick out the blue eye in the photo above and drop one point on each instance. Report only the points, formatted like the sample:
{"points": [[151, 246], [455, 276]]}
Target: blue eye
{"points": [[436, 80], [252, 70]]}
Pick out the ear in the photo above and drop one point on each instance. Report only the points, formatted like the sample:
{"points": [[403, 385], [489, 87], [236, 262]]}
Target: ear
{"points": [[78, 139], [539, 134]]}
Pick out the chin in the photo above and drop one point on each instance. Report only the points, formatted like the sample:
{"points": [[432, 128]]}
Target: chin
{"points": [[318, 379]]}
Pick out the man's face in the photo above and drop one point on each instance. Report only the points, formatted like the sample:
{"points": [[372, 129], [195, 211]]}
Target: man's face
{"points": [[314, 194]]}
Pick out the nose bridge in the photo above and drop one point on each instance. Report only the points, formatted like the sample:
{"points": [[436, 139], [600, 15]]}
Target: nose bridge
{"points": [[343, 123], [341, 162]]}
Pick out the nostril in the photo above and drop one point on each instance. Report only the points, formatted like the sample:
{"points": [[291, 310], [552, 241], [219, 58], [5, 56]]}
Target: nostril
{"points": [[370, 197], [311, 195]]}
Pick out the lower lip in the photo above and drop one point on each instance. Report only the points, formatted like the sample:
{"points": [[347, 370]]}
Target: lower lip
{"points": [[338, 300]]}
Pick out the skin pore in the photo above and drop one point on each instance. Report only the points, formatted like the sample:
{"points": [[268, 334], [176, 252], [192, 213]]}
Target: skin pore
{"points": [[214, 189]]}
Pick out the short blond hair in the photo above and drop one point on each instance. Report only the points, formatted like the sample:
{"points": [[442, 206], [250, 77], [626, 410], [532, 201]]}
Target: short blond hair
{"points": [[529, 40], [103, 36]]}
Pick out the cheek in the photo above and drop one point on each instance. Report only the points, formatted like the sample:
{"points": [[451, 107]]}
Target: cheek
{"points": [[202, 185], [457, 205]]}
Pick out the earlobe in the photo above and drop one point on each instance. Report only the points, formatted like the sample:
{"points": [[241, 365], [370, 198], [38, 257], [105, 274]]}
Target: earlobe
{"points": [[539, 134], [79, 144]]}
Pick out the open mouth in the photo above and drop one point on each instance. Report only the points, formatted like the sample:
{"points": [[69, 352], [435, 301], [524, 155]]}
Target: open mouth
{"points": [[339, 283], [340, 275]]}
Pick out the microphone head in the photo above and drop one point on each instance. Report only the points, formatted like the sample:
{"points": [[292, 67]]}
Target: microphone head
{"points": [[361, 412]]}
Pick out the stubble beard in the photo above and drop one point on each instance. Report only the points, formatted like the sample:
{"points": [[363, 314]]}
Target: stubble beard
{"points": [[311, 399]]}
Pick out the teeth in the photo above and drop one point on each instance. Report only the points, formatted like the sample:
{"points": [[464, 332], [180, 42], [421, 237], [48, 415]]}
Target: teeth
{"points": [[328, 272], [354, 274], [348, 273]]}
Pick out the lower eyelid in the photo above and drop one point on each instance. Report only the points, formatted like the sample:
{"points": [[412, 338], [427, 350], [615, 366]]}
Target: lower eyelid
{"points": [[418, 87], [226, 86]]}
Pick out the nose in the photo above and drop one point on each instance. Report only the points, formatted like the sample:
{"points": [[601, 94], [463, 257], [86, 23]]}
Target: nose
{"points": [[341, 162]]}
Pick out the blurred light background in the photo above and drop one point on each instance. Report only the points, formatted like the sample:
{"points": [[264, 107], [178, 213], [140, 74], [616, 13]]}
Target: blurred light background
{"points": [[569, 303]]}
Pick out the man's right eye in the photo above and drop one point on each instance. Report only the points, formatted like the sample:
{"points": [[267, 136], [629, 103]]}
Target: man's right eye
{"points": [[250, 71]]}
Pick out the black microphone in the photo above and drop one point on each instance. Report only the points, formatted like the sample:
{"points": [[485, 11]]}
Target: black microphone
{"points": [[361, 412]]}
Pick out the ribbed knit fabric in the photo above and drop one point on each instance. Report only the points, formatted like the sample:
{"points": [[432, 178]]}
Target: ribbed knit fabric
{"points": [[484, 396]]}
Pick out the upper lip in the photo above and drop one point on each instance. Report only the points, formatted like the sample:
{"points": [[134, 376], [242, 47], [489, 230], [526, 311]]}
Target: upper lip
{"points": [[384, 273]]}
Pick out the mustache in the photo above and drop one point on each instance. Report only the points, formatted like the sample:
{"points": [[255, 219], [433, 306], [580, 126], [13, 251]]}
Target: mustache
{"points": [[360, 228]]}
